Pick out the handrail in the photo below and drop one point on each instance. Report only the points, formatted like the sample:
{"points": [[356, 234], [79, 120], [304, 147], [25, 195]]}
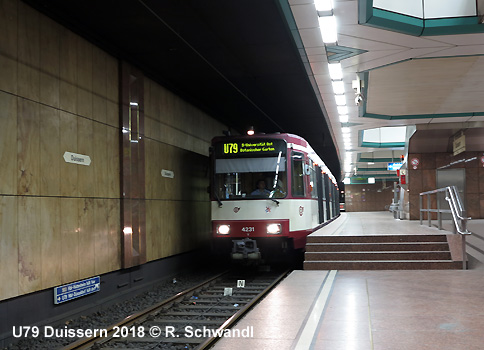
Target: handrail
{"points": [[454, 201], [457, 210]]}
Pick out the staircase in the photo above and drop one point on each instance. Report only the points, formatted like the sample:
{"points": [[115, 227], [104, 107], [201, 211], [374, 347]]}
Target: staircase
{"points": [[396, 252]]}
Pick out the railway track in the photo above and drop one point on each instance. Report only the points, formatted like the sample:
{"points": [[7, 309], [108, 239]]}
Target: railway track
{"points": [[193, 319]]}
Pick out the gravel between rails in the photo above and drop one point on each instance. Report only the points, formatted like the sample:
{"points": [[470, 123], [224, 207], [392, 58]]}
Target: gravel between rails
{"points": [[116, 312]]}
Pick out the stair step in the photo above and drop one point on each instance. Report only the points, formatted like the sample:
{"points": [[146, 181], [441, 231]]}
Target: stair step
{"points": [[394, 255], [383, 265], [343, 247], [376, 239]]}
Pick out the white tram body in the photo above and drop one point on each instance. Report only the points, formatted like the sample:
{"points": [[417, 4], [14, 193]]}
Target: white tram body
{"points": [[268, 191]]}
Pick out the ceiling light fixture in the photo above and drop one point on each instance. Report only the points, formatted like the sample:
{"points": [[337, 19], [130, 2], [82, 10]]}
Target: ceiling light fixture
{"points": [[335, 71], [327, 26], [340, 100], [343, 118], [323, 5], [338, 87], [342, 110]]}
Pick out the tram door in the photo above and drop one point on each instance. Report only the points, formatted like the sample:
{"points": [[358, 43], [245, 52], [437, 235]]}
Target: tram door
{"points": [[451, 177], [321, 207], [327, 196]]}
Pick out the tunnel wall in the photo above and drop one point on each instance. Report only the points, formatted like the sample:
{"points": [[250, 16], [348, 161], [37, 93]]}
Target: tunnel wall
{"points": [[423, 178], [368, 197], [177, 139], [60, 222]]}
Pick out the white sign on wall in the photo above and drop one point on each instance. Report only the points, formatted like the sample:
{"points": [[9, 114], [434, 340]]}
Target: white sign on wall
{"points": [[75, 158], [167, 173]]}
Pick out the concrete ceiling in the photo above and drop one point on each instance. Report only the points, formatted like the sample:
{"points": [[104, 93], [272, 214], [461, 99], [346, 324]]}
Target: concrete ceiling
{"points": [[423, 81], [263, 63], [236, 60]]}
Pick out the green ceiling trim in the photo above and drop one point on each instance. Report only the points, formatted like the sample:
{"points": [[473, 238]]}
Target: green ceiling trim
{"points": [[359, 180], [348, 125], [365, 11], [419, 116], [397, 22], [337, 53], [378, 160], [375, 175], [382, 144], [452, 26], [371, 169], [365, 76], [362, 143]]}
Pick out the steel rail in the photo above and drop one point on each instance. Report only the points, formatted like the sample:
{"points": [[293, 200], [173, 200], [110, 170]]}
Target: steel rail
{"points": [[234, 318], [87, 343]]}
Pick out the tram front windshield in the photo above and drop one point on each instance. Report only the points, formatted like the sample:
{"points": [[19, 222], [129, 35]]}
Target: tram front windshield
{"points": [[251, 178]]}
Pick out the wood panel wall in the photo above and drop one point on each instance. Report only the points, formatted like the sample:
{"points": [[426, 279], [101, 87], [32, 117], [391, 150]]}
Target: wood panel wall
{"points": [[368, 197], [59, 222], [425, 176], [177, 139]]}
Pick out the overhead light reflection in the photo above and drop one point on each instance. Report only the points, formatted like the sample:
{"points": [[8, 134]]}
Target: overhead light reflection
{"points": [[340, 100], [327, 26], [338, 87], [323, 5], [335, 71], [342, 110]]}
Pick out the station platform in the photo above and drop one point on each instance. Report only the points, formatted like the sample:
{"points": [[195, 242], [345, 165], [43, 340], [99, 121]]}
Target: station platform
{"points": [[374, 310]]}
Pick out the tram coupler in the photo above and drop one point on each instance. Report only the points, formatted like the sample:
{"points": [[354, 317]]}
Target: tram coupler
{"points": [[245, 249]]}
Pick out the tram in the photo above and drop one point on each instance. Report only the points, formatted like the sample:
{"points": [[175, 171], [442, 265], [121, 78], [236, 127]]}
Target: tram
{"points": [[268, 192]]}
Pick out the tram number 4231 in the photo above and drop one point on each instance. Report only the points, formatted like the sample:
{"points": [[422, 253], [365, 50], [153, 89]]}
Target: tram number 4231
{"points": [[248, 229], [231, 148]]}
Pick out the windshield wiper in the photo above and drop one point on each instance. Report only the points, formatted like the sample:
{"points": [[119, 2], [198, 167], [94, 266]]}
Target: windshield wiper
{"points": [[218, 200], [274, 200]]}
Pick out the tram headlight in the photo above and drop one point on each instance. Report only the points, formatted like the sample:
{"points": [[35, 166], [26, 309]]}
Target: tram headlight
{"points": [[223, 229], [274, 229]]}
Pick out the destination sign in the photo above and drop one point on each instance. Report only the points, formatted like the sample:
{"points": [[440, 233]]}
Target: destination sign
{"points": [[249, 148], [76, 289], [394, 166]]}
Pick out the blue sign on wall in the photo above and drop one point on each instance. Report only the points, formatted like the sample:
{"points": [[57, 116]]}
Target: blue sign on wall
{"points": [[76, 289], [394, 166]]}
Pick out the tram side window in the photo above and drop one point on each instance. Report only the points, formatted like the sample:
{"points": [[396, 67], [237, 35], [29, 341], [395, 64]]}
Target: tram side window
{"points": [[313, 182], [297, 179]]}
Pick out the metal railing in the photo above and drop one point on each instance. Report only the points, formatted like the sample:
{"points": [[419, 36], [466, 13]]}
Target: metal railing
{"points": [[456, 209]]}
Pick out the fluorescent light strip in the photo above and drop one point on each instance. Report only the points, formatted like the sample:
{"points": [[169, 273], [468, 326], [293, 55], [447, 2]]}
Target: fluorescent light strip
{"points": [[343, 118], [327, 26], [335, 71], [323, 5], [342, 110], [338, 87], [340, 100]]}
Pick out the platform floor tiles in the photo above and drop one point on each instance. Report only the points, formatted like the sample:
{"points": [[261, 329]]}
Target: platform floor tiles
{"points": [[376, 223], [368, 310]]}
